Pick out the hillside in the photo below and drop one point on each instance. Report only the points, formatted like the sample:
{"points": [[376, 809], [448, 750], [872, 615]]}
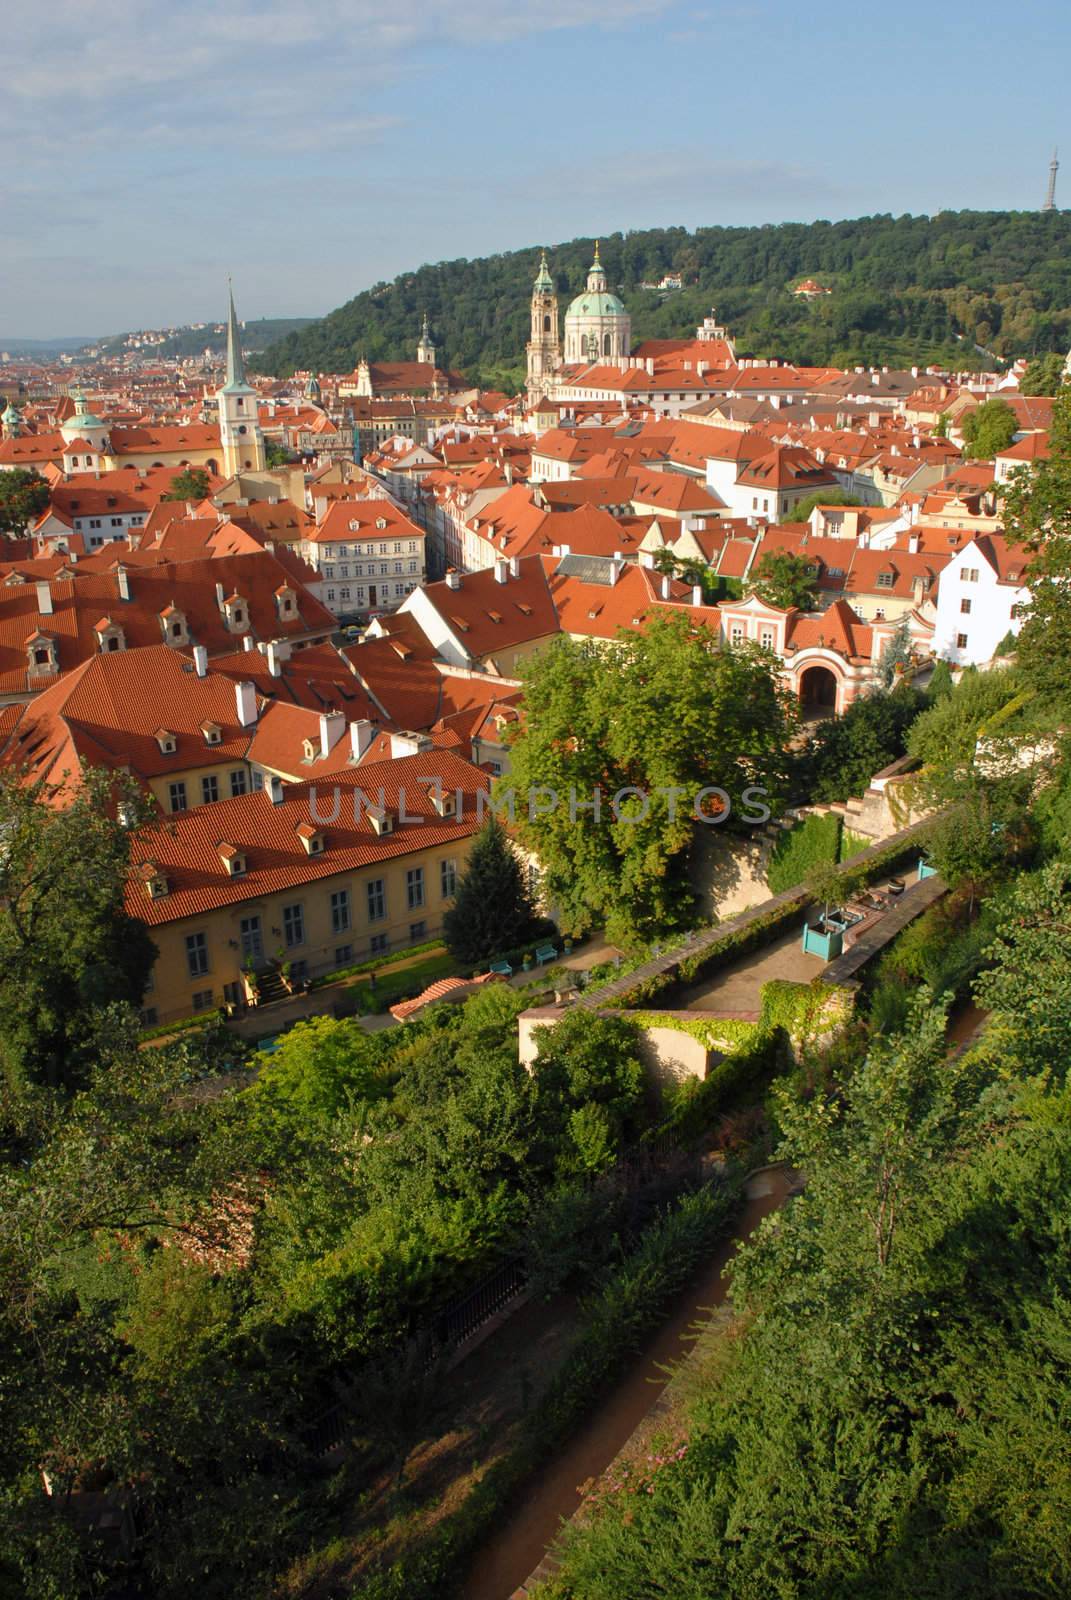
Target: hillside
{"points": [[181, 343], [905, 288]]}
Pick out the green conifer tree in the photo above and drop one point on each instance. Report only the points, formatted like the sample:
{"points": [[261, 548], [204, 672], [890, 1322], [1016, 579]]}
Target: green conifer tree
{"points": [[492, 910]]}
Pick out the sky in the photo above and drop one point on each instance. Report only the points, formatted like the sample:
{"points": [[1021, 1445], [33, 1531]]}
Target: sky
{"points": [[311, 148]]}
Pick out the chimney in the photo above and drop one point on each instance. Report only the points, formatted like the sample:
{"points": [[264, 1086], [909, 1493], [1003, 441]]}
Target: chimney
{"points": [[220, 596], [913, 544], [332, 727], [697, 594], [44, 598], [408, 744], [453, 579], [122, 578], [647, 559], [247, 642], [665, 586], [245, 695], [273, 785], [200, 660], [501, 571], [514, 566], [918, 590], [274, 657], [361, 735]]}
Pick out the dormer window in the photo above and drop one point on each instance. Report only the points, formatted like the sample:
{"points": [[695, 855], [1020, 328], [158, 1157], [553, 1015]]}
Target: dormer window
{"points": [[284, 600], [885, 580], [212, 732], [41, 656], [382, 821], [233, 859], [166, 740], [312, 840], [236, 613], [444, 801], [110, 636], [355, 527], [173, 626], [311, 748], [381, 522], [155, 881]]}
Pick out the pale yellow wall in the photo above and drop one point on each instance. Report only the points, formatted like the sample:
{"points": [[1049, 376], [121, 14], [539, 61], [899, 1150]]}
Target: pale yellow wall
{"points": [[171, 995], [192, 776]]}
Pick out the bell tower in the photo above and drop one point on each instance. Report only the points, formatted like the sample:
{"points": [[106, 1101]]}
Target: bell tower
{"points": [[239, 425], [425, 350], [544, 354]]}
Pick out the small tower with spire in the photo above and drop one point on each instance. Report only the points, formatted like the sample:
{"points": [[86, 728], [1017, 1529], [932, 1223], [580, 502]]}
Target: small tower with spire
{"points": [[1050, 197], [543, 351], [425, 350], [239, 424]]}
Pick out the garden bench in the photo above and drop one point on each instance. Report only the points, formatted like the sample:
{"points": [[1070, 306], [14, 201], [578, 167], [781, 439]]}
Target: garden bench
{"points": [[502, 967], [545, 953]]}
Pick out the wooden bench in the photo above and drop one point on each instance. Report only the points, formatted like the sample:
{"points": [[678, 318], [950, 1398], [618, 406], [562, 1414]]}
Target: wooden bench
{"points": [[502, 967], [545, 953]]}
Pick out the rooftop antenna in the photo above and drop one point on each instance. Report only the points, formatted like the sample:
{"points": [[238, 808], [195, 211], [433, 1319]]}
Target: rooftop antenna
{"points": [[1050, 198]]}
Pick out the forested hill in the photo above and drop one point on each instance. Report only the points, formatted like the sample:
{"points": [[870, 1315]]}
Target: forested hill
{"points": [[904, 289]]}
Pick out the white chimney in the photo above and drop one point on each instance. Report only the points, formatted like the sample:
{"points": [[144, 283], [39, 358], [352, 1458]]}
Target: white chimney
{"points": [[273, 786], [220, 596], [913, 544], [44, 598], [200, 660], [647, 559], [407, 744], [245, 695], [274, 658], [665, 586], [332, 727], [697, 594], [361, 735], [247, 642], [122, 577], [615, 570], [501, 571], [514, 566], [453, 579]]}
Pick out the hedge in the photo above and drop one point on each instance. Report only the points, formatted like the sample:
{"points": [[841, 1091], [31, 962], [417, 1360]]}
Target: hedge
{"points": [[616, 1321], [809, 844]]}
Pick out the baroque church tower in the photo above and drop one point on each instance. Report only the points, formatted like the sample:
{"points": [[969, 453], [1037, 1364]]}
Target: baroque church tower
{"points": [[239, 425], [544, 354], [425, 350]]}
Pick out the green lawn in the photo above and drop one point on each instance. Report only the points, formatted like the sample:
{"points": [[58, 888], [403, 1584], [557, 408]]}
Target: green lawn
{"points": [[402, 983]]}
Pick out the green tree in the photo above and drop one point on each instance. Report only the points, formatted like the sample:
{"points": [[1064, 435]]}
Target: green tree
{"points": [[1044, 375], [319, 1068], [191, 484], [784, 579], [23, 497], [988, 429], [492, 910], [275, 455], [68, 946], [940, 682], [844, 753], [822, 497], [1036, 504], [667, 712]]}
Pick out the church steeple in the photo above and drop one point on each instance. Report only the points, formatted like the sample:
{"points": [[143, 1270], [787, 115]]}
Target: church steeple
{"points": [[239, 425], [544, 356], [426, 349]]}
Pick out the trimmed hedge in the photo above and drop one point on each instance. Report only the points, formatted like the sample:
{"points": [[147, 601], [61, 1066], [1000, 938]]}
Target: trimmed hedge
{"points": [[616, 1321]]}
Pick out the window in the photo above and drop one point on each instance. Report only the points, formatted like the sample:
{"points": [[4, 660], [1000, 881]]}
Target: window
{"points": [[377, 899], [239, 782], [448, 879], [330, 594], [968, 574], [885, 580], [294, 925], [343, 954], [879, 613], [412, 566], [380, 943], [965, 607], [250, 938], [344, 593], [417, 930], [197, 954], [397, 567], [414, 887], [232, 994], [340, 910], [766, 638], [736, 633], [176, 796], [94, 522], [202, 999], [1017, 611], [209, 790], [961, 641]]}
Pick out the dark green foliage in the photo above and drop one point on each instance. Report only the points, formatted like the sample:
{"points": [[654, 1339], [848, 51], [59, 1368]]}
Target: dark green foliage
{"points": [[822, 497], [68, 946], [23, 496], [940, 682], [492, 910], [190, 484], [784, 579], [844, 753], [814, 840], [1036, 505], [904, 287], [989, 429], [1043, 375]]}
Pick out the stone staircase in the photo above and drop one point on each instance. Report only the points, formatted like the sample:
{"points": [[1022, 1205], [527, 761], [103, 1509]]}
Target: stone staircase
{"points": [[272, 987]]}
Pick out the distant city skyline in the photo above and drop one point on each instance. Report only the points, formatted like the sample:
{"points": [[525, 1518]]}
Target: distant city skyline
{"points": [[312, 150]]}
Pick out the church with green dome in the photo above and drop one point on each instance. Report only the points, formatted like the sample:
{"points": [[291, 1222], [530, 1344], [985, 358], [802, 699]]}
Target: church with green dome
{"points": [[598, 329]]}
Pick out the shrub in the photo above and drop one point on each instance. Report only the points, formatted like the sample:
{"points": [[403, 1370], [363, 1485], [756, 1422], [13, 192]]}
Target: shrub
{"points": [[811, 842]]}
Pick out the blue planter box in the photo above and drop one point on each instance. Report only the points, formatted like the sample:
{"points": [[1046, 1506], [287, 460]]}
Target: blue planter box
{"points": [[925, 870], [827, 942]]}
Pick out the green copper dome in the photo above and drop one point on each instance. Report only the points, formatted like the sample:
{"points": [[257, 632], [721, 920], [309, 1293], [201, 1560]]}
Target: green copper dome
{"points": [[596, 303]]}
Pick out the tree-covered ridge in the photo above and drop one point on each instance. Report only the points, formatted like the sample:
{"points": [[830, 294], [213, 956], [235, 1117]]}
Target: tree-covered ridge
{"points": [[905, 289]]}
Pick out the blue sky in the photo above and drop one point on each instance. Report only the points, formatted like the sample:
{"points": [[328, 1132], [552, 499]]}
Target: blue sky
{"points": [[312, 147]]}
